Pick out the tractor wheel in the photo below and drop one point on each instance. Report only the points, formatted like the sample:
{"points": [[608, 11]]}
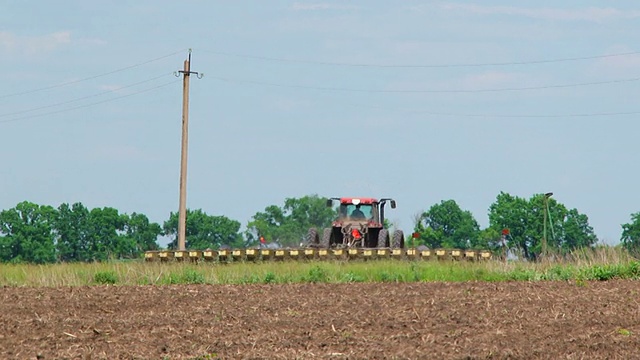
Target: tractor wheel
{"points": [[383, 238], [312, 238], [398, 239], [326, 238]]}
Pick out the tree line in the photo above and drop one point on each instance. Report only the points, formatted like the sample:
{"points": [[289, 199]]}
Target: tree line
{"points": [[516, 223], [43, 234]]}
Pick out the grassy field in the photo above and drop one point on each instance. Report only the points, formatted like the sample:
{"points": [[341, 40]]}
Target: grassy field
{"points": [[602, 264]]}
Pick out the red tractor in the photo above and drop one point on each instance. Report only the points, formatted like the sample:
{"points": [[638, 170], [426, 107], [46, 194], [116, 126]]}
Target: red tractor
{"points": [[360, 223]]}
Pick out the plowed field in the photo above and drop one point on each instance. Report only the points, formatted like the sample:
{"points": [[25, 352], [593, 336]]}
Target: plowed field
{"points": [[515, 320]]}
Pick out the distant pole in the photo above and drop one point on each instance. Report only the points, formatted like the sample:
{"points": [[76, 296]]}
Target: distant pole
{"points": [[544, 228], [182, 213], [505, 233]]}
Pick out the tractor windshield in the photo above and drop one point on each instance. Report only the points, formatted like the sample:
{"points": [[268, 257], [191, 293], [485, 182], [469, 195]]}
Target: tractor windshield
{"points": [[356, 212]]}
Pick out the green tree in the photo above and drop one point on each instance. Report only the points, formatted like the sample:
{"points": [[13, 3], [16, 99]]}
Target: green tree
{"points": [[565, 229], [100, 234], [288, 225], [204, 231], [105, 235], [512, 212], [28, 233], [631, 234], [488, 239], [143, 233], [447, 225], [576, 231], [72, 232]]}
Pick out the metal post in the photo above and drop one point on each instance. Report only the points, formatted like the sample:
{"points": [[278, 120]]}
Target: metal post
{"points": [[504, 248], [503, 239]]}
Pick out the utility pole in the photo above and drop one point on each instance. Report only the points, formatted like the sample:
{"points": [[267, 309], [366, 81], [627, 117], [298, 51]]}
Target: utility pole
{"points": [[182, 212], [544, 229]]}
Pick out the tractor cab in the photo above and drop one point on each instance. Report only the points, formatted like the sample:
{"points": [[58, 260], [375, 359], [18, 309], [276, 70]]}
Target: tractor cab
{"points": [[359, 210], [356, 212]]}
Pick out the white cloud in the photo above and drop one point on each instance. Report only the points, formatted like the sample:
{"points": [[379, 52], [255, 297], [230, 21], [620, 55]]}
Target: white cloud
{"points": [[593, 14], [321, 6], [10, 42]]}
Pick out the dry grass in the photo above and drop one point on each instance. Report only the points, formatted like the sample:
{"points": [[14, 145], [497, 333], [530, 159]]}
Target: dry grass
{"points": [[601, 263]]}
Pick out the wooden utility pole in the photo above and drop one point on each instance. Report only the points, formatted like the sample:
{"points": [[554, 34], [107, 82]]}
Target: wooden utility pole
{"points": [[544, 228], [182, 212]]}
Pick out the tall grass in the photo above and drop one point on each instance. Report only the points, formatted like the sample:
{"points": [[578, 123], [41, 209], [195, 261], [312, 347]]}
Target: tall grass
{"points": [[599, 264]]}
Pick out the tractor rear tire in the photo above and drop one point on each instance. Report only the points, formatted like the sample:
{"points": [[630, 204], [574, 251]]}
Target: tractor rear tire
{"points": [[326, 238], [398, 239], [312, 238], [383, 238]]}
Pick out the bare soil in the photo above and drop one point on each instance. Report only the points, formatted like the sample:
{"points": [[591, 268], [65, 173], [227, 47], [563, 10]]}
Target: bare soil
{"points": [[514, 320]]}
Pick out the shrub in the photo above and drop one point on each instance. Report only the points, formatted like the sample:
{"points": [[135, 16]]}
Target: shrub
{"points": [[602, 272], [105, 277], [316, 275], [351, 277], [188, 276], [269, 278], [385, 276]]}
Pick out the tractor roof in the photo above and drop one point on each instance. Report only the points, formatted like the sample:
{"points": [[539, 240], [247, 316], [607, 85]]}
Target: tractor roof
{"points": [[349, 200]]}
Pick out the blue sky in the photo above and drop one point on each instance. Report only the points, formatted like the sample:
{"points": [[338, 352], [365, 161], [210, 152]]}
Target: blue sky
{"points": [[90, 109]]}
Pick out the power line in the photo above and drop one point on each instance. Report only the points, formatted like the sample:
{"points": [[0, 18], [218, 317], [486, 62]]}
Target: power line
{"points": [[90, 77], [81, 98], [523, 116], [330, 63], [514, 116], [319, 88], [91, 104]]}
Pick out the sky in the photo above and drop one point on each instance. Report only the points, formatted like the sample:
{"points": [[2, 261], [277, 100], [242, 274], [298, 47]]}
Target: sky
{"points": [[418, 101]]}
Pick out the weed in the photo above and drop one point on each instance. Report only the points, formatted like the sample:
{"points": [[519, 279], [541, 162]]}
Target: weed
{"points": [[105, 277], [350, 277], [187, 276], [193, 277], [250, 279], [624, 332], [415, 274], [558, 272], [269, 278], [387, 277], [581, 283], [602, 272], [317, 274], [634, 269], [524, 275]]}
